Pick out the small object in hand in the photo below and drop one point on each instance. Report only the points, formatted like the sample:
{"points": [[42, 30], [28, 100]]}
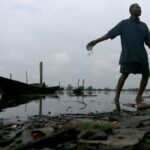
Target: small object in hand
{"points": [[90, 52]]}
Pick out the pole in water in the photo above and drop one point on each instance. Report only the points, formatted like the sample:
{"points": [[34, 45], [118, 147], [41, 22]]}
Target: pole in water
{"points": [[78, 83], [10, 76], [26, 77], [41, 72], [41, 81]]}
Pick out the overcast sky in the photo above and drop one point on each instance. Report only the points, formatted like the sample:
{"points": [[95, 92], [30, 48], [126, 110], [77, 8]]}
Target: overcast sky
{"points": [[56, 32]]}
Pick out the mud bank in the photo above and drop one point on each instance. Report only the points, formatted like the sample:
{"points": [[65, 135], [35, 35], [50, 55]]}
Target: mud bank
{"points": [[123, 130]]}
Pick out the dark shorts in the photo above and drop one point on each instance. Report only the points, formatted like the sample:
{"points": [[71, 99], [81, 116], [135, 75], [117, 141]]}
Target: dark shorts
{"points": [[136, 68]]}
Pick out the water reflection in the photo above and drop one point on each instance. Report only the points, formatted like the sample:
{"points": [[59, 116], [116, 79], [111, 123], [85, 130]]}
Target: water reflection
{"points": [[82, 102], [40, 106], [84, 105], [13, 101], [83, 94], [80, 98], [66, 102]]}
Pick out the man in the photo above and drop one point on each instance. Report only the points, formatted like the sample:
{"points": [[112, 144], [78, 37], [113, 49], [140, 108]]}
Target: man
{"points": [[134, 34]]}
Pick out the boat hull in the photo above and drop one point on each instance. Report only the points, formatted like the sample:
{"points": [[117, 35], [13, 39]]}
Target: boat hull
{"points": [[13, 87]]}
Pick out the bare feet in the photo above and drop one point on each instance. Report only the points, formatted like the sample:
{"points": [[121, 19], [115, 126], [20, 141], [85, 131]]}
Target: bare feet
{"points": [[139, 100], [141, 105]]}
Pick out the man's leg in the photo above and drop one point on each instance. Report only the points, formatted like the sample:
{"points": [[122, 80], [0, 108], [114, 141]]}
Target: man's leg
{"points": [[119, 88], [142, 87]]}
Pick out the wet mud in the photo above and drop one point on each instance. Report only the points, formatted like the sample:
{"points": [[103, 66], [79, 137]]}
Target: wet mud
{"points": [[124, 130]]}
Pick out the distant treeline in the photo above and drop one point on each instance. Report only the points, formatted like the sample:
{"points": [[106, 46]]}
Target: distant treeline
{"points": [[69, 87]]}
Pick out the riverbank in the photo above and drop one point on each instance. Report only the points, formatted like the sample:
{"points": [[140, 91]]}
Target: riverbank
{"points": [[109, 131]]}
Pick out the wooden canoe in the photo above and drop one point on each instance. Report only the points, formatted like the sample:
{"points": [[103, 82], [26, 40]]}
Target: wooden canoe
{"points": [[13, 87]]}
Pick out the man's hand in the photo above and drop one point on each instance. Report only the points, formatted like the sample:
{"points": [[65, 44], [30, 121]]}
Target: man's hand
{"points": [[90, 45], [94, 42]]}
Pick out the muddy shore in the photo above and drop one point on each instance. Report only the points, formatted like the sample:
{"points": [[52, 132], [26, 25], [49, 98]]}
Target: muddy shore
{"points": [[122, 130]]}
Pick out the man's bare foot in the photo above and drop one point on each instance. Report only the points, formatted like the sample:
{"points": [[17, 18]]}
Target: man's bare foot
{"points": [[139, 100], [142, 106]]}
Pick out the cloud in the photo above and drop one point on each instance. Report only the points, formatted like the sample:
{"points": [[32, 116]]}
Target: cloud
{"points": [[58, 62], [104, 65], [56, 32]]}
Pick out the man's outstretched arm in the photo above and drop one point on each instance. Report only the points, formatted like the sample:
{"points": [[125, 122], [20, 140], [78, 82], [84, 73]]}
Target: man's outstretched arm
{"points": [[94, 42]]}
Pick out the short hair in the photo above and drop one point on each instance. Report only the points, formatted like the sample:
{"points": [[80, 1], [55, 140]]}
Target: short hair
{"points": [[131, 6]]}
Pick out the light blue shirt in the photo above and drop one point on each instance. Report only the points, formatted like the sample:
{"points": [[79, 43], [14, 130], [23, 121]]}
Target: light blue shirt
{"points": [[134, 34]]}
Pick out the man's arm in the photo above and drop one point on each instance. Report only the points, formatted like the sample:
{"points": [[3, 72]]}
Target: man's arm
{"points": [[94, 42]]}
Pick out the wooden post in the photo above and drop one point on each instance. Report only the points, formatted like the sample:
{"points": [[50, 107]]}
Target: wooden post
{"points": [[10, 76], [78, 83], [26, 77], [41, 81], [41, 73]]}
